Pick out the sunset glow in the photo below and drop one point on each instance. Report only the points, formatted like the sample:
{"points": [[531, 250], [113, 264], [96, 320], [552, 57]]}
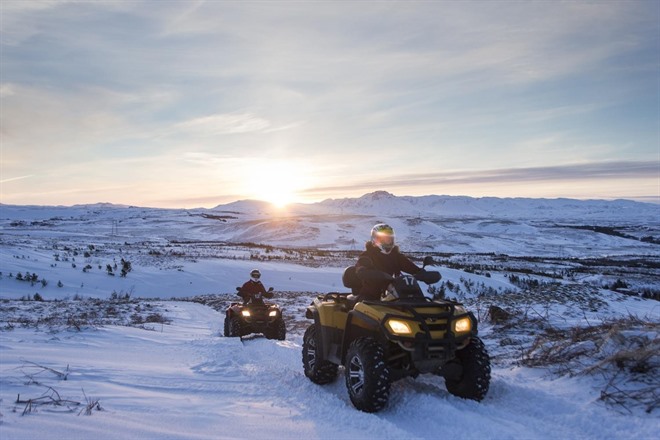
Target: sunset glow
{"points": [[201, 103], [277, 182]]}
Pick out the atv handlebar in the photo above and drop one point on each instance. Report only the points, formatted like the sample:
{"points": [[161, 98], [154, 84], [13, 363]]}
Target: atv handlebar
{"points": [[428, 261], [428, 277], [425, 276], [238, 291], [371, 275]]}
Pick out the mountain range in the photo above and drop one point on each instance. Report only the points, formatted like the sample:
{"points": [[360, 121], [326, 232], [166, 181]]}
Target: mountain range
{"points": [[455, 224]]}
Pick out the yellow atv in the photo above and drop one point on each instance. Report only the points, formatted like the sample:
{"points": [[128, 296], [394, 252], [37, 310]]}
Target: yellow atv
{"points": [[405, 334]]}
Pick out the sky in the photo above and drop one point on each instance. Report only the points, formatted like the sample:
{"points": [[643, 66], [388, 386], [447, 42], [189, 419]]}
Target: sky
{"points": [[196, 103]]}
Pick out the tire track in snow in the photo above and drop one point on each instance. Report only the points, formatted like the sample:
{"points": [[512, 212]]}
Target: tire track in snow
{"points": [[520, 404]]}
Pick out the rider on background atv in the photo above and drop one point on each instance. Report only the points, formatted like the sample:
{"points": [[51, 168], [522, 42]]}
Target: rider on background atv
{"points": [[253, 291], [381, 255]]}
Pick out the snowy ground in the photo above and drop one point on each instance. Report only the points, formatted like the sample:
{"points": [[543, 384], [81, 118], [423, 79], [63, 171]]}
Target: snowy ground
{"points": [[185, 381], [182, 379]]}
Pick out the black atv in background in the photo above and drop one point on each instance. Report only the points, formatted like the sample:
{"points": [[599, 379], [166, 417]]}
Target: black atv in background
{"points": [[402, 335], [254, 317]]}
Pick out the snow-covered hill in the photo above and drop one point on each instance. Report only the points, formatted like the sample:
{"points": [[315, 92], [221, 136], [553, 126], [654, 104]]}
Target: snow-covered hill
{"points": [[176, 252], [384, 203], [429, 224]]}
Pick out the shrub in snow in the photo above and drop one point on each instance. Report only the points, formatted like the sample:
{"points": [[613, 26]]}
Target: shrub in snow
{"points": [[126, 267], [619, 284], [624, 351]]}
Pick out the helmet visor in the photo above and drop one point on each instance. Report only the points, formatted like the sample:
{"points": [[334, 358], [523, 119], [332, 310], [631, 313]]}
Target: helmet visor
{"points": [[384, 241]]}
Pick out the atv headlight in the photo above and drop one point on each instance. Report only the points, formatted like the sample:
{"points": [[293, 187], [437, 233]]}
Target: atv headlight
{"points": [[399, 327], [245, 313], [272, 313], [462, 325]]}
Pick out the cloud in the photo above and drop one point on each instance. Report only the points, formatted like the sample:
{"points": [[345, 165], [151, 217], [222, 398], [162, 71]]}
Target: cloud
{"points": [[220, 124], [204, 159], [556, 112], [7, 89], [52, 121], [614, 171], [12, 179], [17, 19]]}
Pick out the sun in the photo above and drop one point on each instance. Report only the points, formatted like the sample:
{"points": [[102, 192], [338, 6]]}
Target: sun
{"points": [[279, 193], [277, 182]]}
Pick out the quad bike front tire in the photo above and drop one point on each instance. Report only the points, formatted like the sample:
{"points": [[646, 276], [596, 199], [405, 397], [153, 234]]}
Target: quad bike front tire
{"points": [[226, 326], [367, 375], [235, 327], [317, 370], [280, 330], [276, 331], [475, 378]]}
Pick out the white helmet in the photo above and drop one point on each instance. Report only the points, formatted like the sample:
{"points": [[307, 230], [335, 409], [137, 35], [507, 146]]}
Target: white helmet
{"points": [[382, 236]]}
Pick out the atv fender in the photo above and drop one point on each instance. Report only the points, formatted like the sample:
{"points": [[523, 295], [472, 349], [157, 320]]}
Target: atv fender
{"points": [[359, 325], [312, 313], [475, 324], [323, 343]]}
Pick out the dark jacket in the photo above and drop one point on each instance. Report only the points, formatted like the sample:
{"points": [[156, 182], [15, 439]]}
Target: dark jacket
{"points": [[254, 292], [393, 264]]}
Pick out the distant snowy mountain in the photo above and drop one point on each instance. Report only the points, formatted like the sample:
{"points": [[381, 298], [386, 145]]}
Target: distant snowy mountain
{"points": [[517, 226], [102, 205], [246, 207], [384, 203]]}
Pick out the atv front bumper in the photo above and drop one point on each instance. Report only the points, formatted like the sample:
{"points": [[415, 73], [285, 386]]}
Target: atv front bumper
{"points": [[434, 339]]}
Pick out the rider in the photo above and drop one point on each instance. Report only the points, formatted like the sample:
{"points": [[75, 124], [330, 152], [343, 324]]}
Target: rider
{"points": [[381, 255], [253, 291]]}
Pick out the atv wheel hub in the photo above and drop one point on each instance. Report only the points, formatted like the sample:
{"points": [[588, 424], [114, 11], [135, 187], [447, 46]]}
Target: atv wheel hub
{"points": [[356, 373], [311, 354]]}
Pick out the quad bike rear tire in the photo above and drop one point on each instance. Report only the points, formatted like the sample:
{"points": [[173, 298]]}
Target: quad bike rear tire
{"points": [[475, 379], [318, 371], [367, 375], [226, 327]]}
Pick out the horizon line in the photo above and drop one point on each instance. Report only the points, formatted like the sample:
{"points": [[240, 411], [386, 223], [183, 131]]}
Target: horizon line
{"points": [[652, 200]]}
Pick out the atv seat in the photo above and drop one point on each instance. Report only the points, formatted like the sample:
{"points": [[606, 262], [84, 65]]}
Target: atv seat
{"points": [[351, 280], [351, 300]]}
